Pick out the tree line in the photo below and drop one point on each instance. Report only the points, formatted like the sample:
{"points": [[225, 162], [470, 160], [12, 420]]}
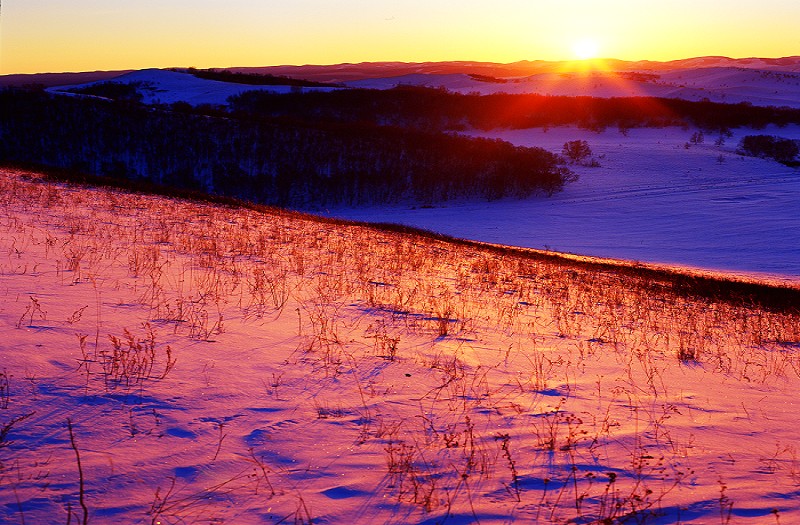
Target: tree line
{"points": [[434, 108], [253, 79], [287, 162], [780, 149]]}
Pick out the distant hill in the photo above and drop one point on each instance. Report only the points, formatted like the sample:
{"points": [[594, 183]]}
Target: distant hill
{"points": [[162, 86], [364, 70], [348, 72], [761, 82], [58, 79]]}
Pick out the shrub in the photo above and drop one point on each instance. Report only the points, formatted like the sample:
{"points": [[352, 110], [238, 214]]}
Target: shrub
{"points": [[577, 150], [781, 149]]}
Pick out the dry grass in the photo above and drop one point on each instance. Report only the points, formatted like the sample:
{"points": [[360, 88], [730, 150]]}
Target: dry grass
{"points": [[487, 326]]}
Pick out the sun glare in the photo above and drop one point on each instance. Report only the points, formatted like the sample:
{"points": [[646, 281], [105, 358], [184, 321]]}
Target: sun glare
{"points": [[585, 49]]}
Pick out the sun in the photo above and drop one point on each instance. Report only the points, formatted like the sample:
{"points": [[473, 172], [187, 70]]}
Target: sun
{"points": [[585, 49]]}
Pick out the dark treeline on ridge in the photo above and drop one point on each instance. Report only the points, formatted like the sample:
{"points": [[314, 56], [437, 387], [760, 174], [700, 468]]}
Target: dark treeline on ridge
{"points": [[253, 79], [270, 161], [123, 92], [431, 108]]}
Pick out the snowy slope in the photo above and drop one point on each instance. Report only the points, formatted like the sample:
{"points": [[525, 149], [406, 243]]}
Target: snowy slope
{"points": [[731, 85], [171, 362], [165, 87]]}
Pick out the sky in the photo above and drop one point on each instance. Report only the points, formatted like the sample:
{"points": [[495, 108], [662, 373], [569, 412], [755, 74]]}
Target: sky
{"points": [[86, 35]]}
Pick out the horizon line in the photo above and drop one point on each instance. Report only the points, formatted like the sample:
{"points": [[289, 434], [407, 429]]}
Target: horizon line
{"points": [[414, 62]]}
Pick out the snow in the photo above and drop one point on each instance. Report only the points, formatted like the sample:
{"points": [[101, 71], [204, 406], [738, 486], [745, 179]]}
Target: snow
{"points": [[718, 84], [167, 87], [768, 86], [305, 371], [653, 199]]}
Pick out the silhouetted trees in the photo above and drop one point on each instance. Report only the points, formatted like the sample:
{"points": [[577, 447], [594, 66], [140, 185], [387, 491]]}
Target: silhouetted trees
{"points": [[254, 79], [273, 161], [120, 91], [431, 108], [577, 151], [781, 149], [348, 146]]}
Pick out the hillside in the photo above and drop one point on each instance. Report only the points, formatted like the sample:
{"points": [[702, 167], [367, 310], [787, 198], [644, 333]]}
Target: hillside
{"points": [[760, 81], [350, 72], [167, 87], [175, 361], [718, 84]]}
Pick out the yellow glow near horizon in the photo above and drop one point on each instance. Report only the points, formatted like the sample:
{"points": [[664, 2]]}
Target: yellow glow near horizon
{"points": [[586, 48], [85, 35]]}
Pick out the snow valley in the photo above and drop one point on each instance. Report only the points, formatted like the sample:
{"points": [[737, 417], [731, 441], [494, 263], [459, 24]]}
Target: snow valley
{"points": [[655, 197]]}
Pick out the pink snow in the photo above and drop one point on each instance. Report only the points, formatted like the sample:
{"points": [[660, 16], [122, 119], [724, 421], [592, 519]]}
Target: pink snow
{"points": [[232, 365]]}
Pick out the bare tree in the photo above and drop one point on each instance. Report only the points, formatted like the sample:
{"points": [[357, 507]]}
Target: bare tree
{"points": [[576, 151]]}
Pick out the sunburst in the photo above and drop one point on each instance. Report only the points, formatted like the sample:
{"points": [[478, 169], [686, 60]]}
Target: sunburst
{"points": [[585, 49]]}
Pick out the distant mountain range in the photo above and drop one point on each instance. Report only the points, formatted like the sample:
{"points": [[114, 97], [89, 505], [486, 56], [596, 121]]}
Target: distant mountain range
{"points": [[350, 72], [58, 79], [761, 82], [366, 70]]}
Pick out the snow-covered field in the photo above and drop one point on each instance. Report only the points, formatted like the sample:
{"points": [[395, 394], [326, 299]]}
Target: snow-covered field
{"points": [[166, 361], [718, 84], [653, 199], [159, 86]]}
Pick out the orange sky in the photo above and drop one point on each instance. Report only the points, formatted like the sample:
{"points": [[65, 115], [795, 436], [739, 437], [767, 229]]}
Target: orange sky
{"points": [[84, 35]]}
